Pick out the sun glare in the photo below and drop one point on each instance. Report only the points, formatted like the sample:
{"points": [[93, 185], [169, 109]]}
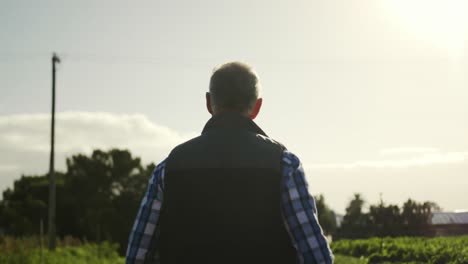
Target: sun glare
{"points": [[443, 23]]}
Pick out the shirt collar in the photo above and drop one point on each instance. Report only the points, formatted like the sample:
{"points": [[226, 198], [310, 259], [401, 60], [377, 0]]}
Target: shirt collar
{"points": [[232, 120]]}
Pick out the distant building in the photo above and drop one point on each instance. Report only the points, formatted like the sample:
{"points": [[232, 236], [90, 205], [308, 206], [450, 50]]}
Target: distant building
{"points": [[449, 224]]}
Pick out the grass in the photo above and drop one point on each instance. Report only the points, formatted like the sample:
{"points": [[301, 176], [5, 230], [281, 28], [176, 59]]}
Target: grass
{"points": [[26, 251], [341, 259]]}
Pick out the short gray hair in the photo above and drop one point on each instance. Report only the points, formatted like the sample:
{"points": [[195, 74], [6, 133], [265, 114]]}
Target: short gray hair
{"points": [[234, 86]]}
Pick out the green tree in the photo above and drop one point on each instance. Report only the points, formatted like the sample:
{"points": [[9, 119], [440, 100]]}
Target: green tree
{"points": [[97, 198], [103, 194], [24, 206], [326, 216], [384, 220], [355, 222], [416, 217]]}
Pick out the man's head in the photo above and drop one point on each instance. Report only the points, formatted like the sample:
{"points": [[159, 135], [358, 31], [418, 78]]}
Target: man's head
{"points": [[234, 87]]}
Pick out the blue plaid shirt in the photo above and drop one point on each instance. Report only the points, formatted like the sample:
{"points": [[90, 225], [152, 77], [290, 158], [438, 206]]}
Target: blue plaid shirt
{"points": [[299, 213]]}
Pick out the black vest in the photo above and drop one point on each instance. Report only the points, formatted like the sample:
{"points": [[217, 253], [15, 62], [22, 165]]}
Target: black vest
{"points": [[222, 198]]}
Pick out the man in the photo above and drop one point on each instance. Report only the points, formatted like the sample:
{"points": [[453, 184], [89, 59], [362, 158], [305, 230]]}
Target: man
{"points": [[231, 195]]}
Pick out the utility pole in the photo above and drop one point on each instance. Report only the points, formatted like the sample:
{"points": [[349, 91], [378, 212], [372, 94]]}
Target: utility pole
{"points": [[52, 193]]}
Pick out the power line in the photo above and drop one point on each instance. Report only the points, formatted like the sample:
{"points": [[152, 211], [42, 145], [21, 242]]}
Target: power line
{"points": [[81, 57]]}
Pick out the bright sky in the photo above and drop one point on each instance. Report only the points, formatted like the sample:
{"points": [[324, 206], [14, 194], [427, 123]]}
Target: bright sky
{"points": [[371, 95]]}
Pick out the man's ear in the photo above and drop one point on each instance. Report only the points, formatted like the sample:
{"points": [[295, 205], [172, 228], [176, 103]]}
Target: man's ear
{"points": [[208, 103], [256, 109]]}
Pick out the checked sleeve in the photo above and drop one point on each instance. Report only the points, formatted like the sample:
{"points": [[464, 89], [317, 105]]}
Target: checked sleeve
{"points": [[300, 214], [142, 243]]}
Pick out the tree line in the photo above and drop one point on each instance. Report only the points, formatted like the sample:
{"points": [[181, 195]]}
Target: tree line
{"points": [[98, 197], [381, 220]]}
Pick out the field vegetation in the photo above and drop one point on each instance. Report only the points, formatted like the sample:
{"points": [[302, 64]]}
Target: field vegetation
{"points": [[440, 250], [69, 251]]}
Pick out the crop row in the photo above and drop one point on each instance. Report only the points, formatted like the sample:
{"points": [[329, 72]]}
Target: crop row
{"points": [[440, 250]]}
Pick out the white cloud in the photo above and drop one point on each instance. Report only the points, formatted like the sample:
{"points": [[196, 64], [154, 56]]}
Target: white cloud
{"points": [[407, 150], [421, 157], [25, 139], [83, 131]]}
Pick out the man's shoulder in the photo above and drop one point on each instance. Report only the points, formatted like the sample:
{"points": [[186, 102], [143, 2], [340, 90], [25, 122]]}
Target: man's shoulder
{"points": [[290, 159], [221, 147], [203, 139], [186, 144], [271, 141]]}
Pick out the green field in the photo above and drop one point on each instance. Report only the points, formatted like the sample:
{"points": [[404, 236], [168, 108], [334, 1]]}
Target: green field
{"points": [[440, 250], [340, 259], [69, 251]]}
